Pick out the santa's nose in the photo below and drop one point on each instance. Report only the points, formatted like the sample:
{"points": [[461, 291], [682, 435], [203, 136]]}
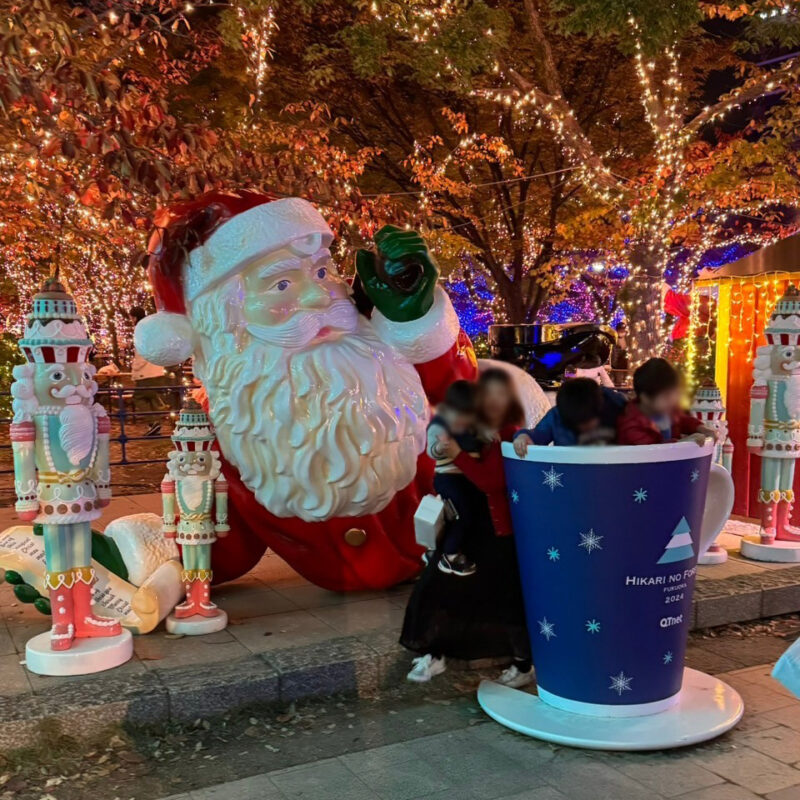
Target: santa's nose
{"points": [[315, 296]]}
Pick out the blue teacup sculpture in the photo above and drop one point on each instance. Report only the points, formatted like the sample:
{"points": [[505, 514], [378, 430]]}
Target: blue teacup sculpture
{"points": [[608, 540]]}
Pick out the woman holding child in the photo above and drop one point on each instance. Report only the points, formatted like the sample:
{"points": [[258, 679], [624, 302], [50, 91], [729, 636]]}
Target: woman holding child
{"points": [[468, 602]]}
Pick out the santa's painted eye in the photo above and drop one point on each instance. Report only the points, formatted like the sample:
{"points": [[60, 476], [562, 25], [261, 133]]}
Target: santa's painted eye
{"points": [[322, 273], [282, 286]]}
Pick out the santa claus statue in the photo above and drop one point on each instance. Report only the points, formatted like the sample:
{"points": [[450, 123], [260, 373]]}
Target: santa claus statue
{"points": [[319, 409], [774, 430]]}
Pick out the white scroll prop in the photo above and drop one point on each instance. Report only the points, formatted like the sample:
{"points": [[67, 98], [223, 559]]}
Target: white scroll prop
{"points": [[139, 608]]}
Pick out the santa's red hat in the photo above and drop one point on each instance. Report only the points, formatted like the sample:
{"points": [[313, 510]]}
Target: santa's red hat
{"points": [[198, 244]]}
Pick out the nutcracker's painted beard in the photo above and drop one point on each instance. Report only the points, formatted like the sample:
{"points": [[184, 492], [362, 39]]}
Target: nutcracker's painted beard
{"points": [[317, 429]]}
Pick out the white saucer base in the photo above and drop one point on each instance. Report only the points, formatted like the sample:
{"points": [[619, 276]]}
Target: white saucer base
{"points": [[714, 555], [197, 625], [705, 709], [83, 658], [777, 552]]}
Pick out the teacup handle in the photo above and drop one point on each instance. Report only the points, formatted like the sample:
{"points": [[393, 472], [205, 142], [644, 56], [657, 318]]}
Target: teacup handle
{"points": [[719, 504]]}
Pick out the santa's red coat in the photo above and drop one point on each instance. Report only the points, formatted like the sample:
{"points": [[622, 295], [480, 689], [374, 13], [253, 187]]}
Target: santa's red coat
{"points": [[344, 553]]}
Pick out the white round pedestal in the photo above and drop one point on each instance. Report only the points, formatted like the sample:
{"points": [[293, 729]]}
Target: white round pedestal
{"points": [[706, 708], [197, 625], [714, 555], [83, 658], [781, 552]]}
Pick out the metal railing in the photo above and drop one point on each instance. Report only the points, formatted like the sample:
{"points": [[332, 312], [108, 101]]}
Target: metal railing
{"points": [[123, 406]]}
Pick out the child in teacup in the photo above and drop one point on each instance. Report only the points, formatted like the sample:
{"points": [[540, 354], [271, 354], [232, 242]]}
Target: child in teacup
{"points": [[656, 416], [584, 413]]}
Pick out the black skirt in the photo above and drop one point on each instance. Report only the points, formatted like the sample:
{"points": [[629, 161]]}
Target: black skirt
{"points": [[475, 617]]}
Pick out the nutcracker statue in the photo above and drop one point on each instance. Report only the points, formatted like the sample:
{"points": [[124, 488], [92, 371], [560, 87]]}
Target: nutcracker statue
{"points": [[774, 431], [59, 436], [707, 406], [192, 491]]}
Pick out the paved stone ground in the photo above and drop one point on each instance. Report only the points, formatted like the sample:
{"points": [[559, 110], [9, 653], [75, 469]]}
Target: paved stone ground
{"points": [[288, 639], [482, 760]]}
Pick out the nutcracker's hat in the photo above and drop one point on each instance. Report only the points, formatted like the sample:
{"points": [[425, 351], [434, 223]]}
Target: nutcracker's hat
{"points": [[194, 430], [784, 324], [707, 404], [54, 332], [197, 245]]}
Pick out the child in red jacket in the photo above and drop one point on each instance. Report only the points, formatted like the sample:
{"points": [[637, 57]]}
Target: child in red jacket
{"points": [[655, 416]]}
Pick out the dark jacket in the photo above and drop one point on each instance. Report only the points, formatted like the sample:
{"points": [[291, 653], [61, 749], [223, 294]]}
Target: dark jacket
{"points": [[552, 430]]}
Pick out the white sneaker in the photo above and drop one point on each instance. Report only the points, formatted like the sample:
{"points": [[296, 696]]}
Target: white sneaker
{"points": [[514, 679], [425, 668]]}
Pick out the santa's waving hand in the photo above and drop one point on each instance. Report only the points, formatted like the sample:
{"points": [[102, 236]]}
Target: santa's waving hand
{"points": [[320, 411]]}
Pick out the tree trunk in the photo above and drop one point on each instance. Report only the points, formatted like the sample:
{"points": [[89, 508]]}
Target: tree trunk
{"points": [[643, 304]]}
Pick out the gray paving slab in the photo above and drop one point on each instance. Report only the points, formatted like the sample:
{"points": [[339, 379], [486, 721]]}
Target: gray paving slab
{"points": [[257, 787], [583, 778], [723, 791], [323, 781], [405, 781], [748, 768], [669, 775]]}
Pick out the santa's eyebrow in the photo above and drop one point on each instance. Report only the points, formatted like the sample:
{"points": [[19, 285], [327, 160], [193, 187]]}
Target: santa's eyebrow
{"points": [[279, 266]]}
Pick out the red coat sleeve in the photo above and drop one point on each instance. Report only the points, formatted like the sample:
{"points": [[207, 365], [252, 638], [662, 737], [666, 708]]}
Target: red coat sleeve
{"points": [[634, 428], [687, 424], [457, 363]]}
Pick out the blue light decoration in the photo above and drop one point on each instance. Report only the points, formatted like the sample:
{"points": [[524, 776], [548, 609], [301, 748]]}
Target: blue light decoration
{"points": [[473, 304], [475, 320]]}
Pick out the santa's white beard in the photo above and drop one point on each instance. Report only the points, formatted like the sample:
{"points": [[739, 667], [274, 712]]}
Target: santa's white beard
{"points": [[332, 430], [76, 431]]}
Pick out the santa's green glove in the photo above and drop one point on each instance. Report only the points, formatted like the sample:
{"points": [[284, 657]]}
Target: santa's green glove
{"points": [[401, 276]]}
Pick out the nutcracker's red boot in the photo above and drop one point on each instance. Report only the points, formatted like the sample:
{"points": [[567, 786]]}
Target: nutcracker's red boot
{"points": [[769, 521], [188, 608], [62, 633], [87, 624], [204, 604], [785, 531]]}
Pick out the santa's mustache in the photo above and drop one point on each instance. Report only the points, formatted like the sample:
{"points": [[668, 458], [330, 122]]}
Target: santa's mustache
{"points": [[303, 326], [69, 390]]}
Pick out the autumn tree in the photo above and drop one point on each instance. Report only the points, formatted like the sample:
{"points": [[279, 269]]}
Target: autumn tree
{"points": [[530, 140], [102, 119]]}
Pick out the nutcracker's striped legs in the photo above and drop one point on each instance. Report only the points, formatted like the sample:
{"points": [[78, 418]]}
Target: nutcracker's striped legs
{"points": [[777, 498], [67, 546], [196, 577], [197, 564], [68, 553], [785, 531], [188, 608], [203, 581], [64, 546]]}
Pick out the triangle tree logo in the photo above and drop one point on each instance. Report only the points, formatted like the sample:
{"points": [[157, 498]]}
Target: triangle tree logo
{"points": [[680, 546]]}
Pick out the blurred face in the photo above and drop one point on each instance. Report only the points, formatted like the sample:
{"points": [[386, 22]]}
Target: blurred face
{"points": [[785, 360], [461, 421], [589, 425], [663, 403], [495, 402], [64, 384], [197, 463], [293, 297]]}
